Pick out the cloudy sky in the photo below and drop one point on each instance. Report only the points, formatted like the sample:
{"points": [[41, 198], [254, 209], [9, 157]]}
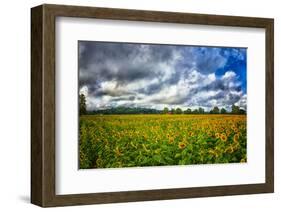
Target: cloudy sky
{"points": [[158, 76]]}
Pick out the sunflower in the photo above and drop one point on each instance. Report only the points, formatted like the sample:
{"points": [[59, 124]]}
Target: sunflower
{"points": [[236, 145], [99, 162], [214, 153], [157, 151], [227, 132], [223, 137], [117, 152], [182, 145], [229, 150], [171, 140], [236, 138], [119, 164], [217, 135]]}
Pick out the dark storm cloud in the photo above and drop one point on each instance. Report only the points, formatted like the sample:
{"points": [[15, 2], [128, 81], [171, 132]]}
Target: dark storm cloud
{"points": [[153, 76], [152, 89], [216, 85], [123, 63], [174, 100], [112, 93], [205, 59], [125, 98], [222, 96], [211, 61], [219, 84]]}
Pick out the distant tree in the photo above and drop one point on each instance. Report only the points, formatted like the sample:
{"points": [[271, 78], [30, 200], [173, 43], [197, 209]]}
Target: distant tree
{"points": [[173, 111], [201, 110], [125, 110], [235, 109], [188, 111], [165, 110], [223, 111], [195, 111], [82, 104], [215, 110], [241, 111], [178, 111]]}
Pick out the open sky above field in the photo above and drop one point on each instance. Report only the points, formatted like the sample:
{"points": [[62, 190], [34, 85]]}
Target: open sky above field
{"points": [[158, 76]]}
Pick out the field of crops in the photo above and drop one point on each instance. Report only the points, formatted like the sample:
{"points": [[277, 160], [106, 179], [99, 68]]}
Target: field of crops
{"points": [[111, 141]]}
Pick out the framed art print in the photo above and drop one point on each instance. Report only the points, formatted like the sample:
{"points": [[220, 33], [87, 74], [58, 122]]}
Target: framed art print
{"points": [[131, 105]]}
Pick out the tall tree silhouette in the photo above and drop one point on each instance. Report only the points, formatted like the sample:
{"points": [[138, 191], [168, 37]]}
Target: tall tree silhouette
{"points": [[82, 104]]}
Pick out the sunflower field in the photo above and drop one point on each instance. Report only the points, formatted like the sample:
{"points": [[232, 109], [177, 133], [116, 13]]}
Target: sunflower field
{"points": [[115, 141]]}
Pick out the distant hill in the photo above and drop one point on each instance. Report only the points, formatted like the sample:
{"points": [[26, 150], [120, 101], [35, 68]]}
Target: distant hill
{"points": [[126, 110]]}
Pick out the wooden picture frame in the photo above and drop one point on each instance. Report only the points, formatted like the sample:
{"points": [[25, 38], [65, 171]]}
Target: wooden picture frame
{"points": [[43, 105]]}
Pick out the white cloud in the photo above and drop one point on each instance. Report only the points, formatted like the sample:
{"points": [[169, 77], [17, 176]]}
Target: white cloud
{"points": [[229, 75]]}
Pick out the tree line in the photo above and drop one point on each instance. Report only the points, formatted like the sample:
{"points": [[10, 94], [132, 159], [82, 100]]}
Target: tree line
{"points": [[125, 110], [138, 110], [216, 110]]}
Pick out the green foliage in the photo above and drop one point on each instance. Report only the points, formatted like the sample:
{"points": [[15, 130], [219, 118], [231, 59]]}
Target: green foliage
{"points": [[201, 110], [188, 111], [109, 141], [223, 111], [178, 111], [165, 110], [126, 110], [235, 109], [82, 104], [215, 110], [195, 111], [241, 111]]}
